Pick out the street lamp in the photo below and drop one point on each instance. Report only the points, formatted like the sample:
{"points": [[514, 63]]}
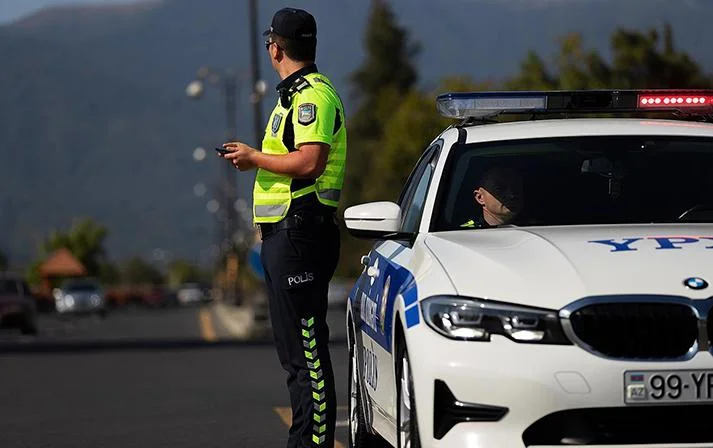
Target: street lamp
{"points": [[199, 154]]}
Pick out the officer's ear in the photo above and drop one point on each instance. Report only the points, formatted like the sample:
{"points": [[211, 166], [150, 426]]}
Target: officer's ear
{"points": [[478, 196], [277, 53]]}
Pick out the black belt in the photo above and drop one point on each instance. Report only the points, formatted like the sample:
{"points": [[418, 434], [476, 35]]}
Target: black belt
{"points": [[297, 222]]}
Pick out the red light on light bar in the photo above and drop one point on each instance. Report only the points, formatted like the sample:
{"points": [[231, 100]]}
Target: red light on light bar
{"points": [[671, 101]]}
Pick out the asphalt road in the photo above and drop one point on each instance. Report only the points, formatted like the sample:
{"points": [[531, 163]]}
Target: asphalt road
{"points": [[147, 378]]}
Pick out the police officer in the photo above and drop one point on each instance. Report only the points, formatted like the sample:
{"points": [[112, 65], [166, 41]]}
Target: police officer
{"points": [[499, 198], [300, 172]]}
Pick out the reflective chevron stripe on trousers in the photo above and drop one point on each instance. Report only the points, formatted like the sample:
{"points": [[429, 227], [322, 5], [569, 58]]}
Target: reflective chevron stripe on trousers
{"points": [[299, 263]]}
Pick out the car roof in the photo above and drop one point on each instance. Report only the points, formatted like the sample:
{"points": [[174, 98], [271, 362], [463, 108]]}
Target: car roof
{"points": [[578, 127]]}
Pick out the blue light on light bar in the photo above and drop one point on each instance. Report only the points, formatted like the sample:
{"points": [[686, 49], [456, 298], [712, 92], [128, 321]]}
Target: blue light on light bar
{"points": [[479, 105]]}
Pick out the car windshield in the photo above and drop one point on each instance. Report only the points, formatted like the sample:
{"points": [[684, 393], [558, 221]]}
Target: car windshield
{"points": [[581, 180], [81, 286]]}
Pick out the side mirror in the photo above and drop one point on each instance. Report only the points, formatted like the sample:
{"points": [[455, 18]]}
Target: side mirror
{"points": [[375, 220]]}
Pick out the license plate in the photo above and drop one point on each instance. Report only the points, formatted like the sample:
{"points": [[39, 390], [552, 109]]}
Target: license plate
{"points": [[674, 386]]}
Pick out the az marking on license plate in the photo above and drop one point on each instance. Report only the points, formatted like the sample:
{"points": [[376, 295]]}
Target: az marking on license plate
{"points": [[680, 386]]}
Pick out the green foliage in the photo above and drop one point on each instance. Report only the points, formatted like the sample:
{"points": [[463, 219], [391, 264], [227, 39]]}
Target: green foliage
{"points": [[139, 272], [640, 59], [109, 273], [85, 240], [387, 73], [32, 275], [181, 271]]}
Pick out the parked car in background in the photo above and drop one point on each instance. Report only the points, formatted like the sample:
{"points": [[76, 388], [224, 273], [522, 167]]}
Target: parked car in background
{"points": [[81, 296], [159, 297], [17, 305], [193, 293]]}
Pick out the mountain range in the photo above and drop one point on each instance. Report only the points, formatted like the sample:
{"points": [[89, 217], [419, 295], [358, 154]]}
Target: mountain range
{"points": [[95, 121]]}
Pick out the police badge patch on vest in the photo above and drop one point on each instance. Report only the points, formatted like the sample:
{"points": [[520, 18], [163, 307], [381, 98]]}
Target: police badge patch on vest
{"points": [[276, 121], [306, 114]]}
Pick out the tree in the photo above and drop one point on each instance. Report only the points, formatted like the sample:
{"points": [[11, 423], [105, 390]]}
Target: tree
{"points": [[3, 262], [109, 273], [640, 60], [379, 84], [85, 240], [139, 272], [181, 271]]}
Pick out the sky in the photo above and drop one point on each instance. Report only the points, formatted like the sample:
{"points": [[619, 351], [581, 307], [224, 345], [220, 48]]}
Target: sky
{"points": [[11, 10]]}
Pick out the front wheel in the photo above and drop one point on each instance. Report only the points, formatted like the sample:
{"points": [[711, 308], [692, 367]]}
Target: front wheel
{"points": [[407, 435], [359, 435], [29, 327]]}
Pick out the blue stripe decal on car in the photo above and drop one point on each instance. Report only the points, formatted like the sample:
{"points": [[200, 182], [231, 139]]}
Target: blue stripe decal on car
{"points": [[373, 313], [410, 296], [412, 316]]}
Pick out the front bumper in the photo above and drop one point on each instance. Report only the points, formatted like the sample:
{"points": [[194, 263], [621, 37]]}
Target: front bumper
{"points": [[531, 382], [80, 306]]}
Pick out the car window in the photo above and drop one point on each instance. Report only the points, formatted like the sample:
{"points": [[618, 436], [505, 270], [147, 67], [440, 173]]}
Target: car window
{"points": [[8, 286], [585, 180], [413, 178], [81, 286], [412, 209], [25, 289]]}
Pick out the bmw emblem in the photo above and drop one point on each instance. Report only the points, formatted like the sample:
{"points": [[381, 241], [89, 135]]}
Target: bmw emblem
{"points": [[696, 283]]}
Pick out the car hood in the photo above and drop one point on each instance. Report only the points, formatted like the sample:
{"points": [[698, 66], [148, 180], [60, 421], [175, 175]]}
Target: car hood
{"points": [[553, 266]]}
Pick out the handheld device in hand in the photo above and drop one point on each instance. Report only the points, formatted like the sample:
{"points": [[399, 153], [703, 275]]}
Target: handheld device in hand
{"points": [[222, 151]]}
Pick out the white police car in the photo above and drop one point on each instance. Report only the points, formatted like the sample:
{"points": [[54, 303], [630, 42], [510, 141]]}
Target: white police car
{"points": [[585, 321]]}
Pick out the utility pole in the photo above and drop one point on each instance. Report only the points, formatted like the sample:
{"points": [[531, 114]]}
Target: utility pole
{"points": [[231, 225], [258, 90]]}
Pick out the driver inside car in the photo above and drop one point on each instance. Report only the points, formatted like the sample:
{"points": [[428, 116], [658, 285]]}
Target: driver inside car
{"points": [[498, 198]]}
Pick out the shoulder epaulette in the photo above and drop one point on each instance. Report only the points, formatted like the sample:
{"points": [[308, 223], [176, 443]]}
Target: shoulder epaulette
{"points": [[300, 84]]}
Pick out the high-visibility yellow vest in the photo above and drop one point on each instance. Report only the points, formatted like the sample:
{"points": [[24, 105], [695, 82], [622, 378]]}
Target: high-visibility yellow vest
{"points": [[317, 116]]}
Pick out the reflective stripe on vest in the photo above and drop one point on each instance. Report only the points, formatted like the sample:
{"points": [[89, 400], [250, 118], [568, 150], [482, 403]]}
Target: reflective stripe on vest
{"points": [[272, 193]]}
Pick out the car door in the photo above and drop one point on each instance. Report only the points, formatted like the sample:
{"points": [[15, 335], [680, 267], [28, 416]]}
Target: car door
{"points": [[386, 274]]}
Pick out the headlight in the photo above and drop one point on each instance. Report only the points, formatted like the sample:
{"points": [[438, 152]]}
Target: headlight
{"points": [[68, 301], [469, 319]]}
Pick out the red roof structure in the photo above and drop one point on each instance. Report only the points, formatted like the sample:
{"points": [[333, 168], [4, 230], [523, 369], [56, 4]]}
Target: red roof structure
{"points": [[62, 264]]}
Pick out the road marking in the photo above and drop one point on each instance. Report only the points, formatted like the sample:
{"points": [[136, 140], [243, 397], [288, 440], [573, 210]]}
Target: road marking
{"points": [[285, 415], [206, 324]]}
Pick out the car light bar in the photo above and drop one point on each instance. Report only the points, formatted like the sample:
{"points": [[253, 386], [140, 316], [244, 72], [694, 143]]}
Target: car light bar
{"points": [[487, 104], [680, 101]]}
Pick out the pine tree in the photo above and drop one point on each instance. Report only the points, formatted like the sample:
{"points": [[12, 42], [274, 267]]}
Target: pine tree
{"points": [[387, 74]]}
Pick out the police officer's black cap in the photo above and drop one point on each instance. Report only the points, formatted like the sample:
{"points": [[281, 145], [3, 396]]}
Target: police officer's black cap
{"points": [[292, 23], [500, 180]]}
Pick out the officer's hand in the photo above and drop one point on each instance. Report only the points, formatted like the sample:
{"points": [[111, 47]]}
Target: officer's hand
{"points": [[241, 155]]}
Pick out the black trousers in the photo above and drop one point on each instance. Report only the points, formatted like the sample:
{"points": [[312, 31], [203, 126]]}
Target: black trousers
{"points": [[299, 263]]}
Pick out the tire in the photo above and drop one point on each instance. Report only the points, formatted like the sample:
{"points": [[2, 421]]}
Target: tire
{"points": [[29, 327], [359, 435], [407, 430]]}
